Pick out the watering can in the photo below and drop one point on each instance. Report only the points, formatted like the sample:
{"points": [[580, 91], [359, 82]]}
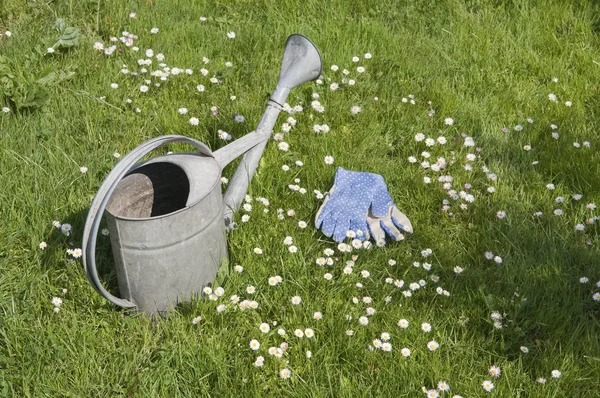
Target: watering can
{"points": [[167, 217]]}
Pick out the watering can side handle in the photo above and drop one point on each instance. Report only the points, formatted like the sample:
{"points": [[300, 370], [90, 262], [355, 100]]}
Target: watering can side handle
{"points": [[239, 182], [102, 197], [227, 154]]}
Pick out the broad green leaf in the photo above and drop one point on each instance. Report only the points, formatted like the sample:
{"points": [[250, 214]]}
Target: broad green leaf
{"points": [[48, 79], [60, 24], [30, 96], [69, 38], [54, 77], [222, 20]]}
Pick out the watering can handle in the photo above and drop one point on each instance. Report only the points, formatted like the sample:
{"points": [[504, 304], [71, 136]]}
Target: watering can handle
{"points": [[103, 195], [227, 154]]}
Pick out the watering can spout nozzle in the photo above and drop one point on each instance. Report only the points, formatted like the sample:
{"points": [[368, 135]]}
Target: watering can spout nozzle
{"points": [[301, 63]]}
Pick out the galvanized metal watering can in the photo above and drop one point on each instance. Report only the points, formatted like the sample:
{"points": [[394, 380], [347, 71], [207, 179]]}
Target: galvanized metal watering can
{"points": [[167, 217]]}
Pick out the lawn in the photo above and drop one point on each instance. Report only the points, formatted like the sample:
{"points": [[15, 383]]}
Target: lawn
{"points": [[499, 284]]}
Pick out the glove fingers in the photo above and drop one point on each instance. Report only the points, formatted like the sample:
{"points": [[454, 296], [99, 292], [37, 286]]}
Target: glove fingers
{"points": [[375, 229], [401, 220], [381, 202], [389, 227], [341, 229], [328, 226], [359, 225]]}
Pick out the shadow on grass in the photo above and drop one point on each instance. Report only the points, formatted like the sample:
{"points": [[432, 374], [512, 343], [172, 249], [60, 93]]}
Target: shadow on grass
{"points": [[537, 287], [104, 259]]}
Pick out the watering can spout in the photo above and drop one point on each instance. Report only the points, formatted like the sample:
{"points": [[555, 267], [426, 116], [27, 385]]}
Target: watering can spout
{"points": [[301, 63]]}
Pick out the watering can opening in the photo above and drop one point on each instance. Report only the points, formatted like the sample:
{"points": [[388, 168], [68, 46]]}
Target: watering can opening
{"points": [[165, 185], [152, 190]]}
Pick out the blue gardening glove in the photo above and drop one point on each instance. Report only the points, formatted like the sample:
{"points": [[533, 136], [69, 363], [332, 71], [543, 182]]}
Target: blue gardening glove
{"points": [[348, 203], [360, 202]]}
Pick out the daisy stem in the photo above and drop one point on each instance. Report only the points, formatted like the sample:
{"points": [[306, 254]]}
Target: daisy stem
{"points": [[98, 18]]}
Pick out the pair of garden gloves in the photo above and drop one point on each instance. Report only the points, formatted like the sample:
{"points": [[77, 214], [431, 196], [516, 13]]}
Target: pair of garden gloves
{"points": [[360, 202]]}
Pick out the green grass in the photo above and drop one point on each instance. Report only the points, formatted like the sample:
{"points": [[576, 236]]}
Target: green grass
{"points": [[486, 64]]}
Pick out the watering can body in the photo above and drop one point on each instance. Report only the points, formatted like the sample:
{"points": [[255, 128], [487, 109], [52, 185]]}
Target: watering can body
{"points": [[167, 217], [166, 227]]}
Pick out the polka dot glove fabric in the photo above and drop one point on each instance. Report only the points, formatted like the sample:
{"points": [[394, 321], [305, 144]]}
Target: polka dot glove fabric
{"points": [[359, 202]]}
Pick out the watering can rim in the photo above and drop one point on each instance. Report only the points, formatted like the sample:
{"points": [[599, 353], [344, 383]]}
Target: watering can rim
{"points": [[138, 165]]}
